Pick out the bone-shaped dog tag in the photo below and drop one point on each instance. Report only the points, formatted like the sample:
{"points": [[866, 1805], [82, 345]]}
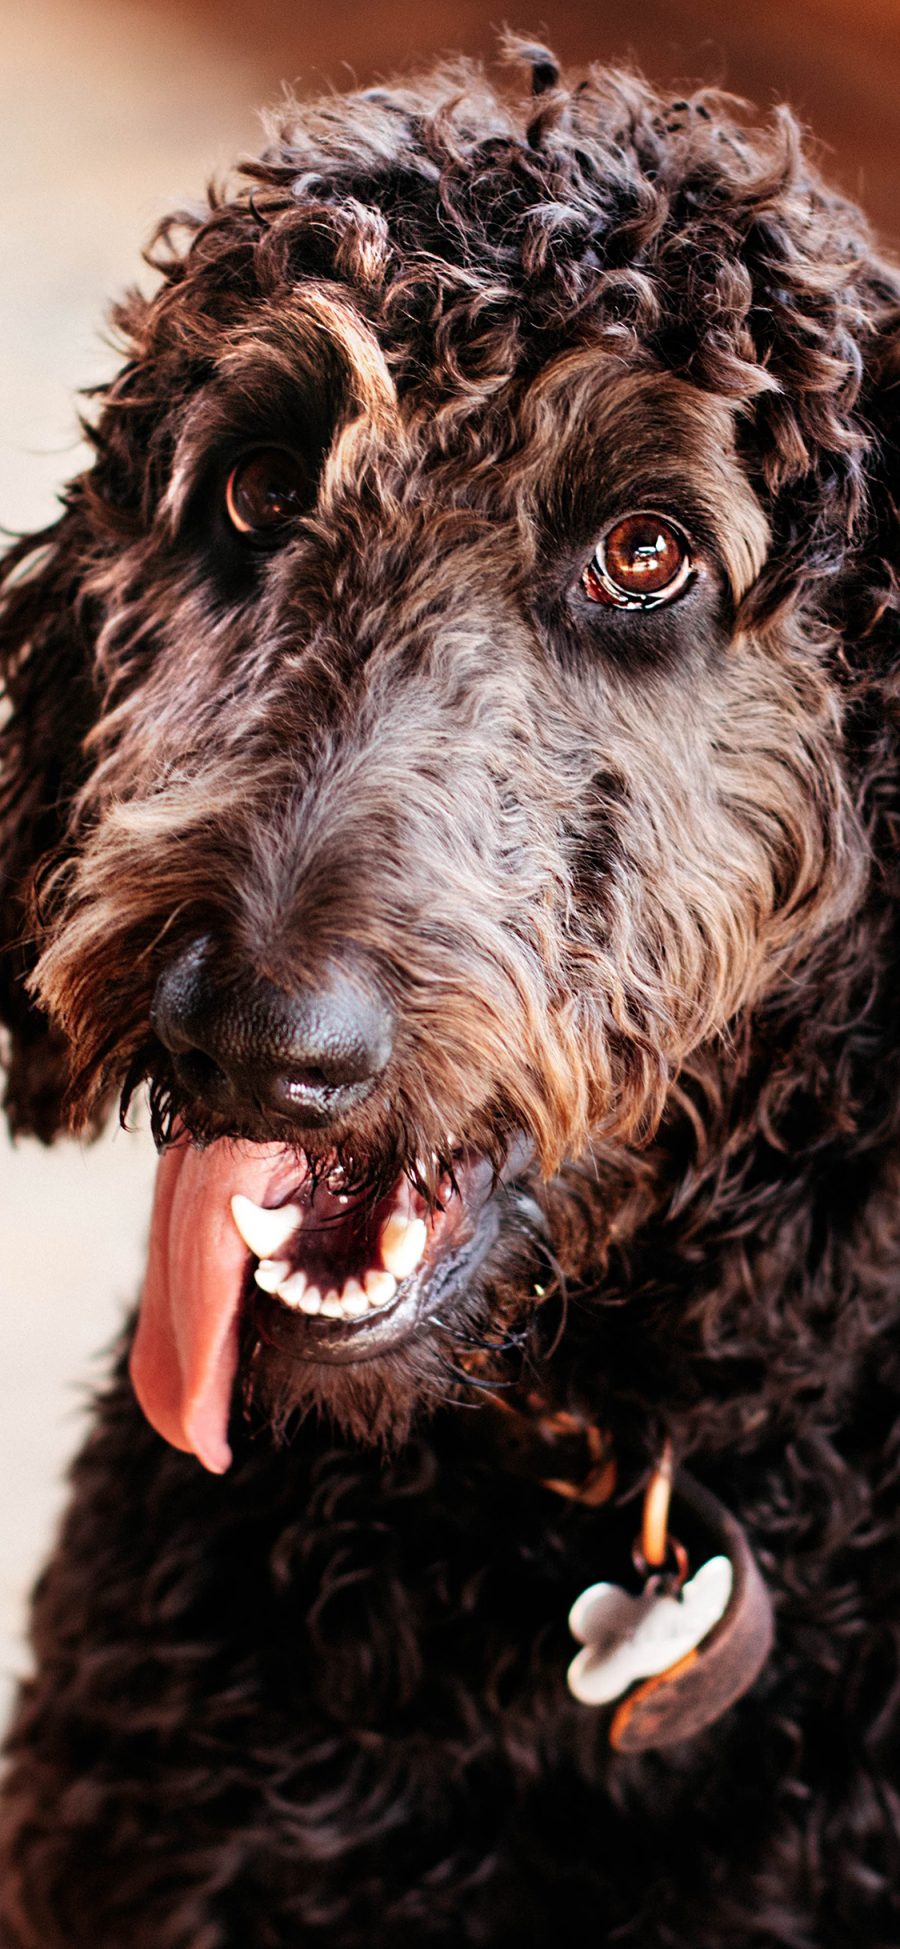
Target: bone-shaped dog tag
{"points": [[628, 1638], [679, 1669]]}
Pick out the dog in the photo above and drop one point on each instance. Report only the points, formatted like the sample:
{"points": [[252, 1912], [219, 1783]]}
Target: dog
{"points": [[450, 760]]}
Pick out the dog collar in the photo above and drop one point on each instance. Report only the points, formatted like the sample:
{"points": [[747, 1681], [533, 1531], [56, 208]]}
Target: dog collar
{"points": [[673, 1656]]}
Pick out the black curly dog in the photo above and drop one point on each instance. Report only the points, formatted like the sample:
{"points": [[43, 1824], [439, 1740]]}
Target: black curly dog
{"points": [[451, 759]]}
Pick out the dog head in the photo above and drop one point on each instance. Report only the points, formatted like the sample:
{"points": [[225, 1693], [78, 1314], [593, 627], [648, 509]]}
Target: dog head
{"points": [[438, 716]]}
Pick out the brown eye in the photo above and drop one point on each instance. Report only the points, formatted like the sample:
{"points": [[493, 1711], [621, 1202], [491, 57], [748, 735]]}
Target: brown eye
{"points": [[266, 490], [643, 560]]}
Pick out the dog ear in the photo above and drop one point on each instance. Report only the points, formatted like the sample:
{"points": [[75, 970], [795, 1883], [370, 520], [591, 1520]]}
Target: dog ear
{"points": [[46, 709]]}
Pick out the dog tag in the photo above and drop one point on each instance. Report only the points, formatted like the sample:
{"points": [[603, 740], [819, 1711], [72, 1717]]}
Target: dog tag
{"points": [[686, 1664], [627, 1638]]}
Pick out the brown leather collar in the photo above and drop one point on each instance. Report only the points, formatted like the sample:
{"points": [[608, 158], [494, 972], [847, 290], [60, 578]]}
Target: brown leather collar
{"points": [[574, 1458]]}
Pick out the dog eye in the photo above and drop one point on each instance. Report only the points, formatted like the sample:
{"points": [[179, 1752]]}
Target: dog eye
{"points": [[266, 490], [642, 561]]}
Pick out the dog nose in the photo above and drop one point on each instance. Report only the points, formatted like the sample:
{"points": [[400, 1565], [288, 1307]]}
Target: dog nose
{"points": [[241, 1045]]}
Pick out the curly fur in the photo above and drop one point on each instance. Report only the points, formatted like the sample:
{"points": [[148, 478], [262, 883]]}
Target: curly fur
{"points": [[632, 894]]}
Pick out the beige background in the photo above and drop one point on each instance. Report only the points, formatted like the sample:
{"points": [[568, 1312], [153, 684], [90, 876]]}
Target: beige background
{"points": [[111, 111], [107, 119]]}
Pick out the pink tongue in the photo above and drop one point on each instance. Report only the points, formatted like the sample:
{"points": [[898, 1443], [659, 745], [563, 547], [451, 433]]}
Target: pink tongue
{"points": [[185, 1352]]}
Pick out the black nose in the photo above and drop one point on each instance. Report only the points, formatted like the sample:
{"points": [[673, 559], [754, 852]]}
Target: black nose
{"points": [[241, 1045]]}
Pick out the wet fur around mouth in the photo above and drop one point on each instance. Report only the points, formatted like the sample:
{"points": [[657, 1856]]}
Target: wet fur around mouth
{"points": [[625, 881]]}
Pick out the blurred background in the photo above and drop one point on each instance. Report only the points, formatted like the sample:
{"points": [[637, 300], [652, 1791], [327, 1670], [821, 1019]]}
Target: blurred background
{"points": [[111, 112]]}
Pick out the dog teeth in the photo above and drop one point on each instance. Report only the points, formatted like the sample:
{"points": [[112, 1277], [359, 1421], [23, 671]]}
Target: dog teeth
{"points": [[379, 1287], [271, 1273], [353, 1301], [293, 1289], [299, 1294], [265, 1232], [402, 1243]]}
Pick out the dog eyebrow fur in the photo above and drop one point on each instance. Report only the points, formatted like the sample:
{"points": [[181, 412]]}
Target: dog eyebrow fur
{"points": [[606, 440], [315, 352]]}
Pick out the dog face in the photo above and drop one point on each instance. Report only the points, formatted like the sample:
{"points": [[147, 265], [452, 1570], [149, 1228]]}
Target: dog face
{"points": [[428, 730]]}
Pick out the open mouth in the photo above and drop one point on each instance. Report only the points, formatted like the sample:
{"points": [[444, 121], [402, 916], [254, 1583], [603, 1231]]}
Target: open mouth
{"points": [[330, 1272], [356, 1269], [336, 1255]]}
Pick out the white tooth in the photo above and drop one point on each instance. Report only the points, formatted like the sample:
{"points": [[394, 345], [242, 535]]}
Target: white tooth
{"points": [[265, 1232], [292, 1290], [380, 1287], [311, 1301], [353, 1300], [270, 1273], [402, 1242], [331, 1307]]}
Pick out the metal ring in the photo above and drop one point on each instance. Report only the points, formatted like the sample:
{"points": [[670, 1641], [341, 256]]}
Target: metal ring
{"points": [[671, 1575], [655, 1519]]}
